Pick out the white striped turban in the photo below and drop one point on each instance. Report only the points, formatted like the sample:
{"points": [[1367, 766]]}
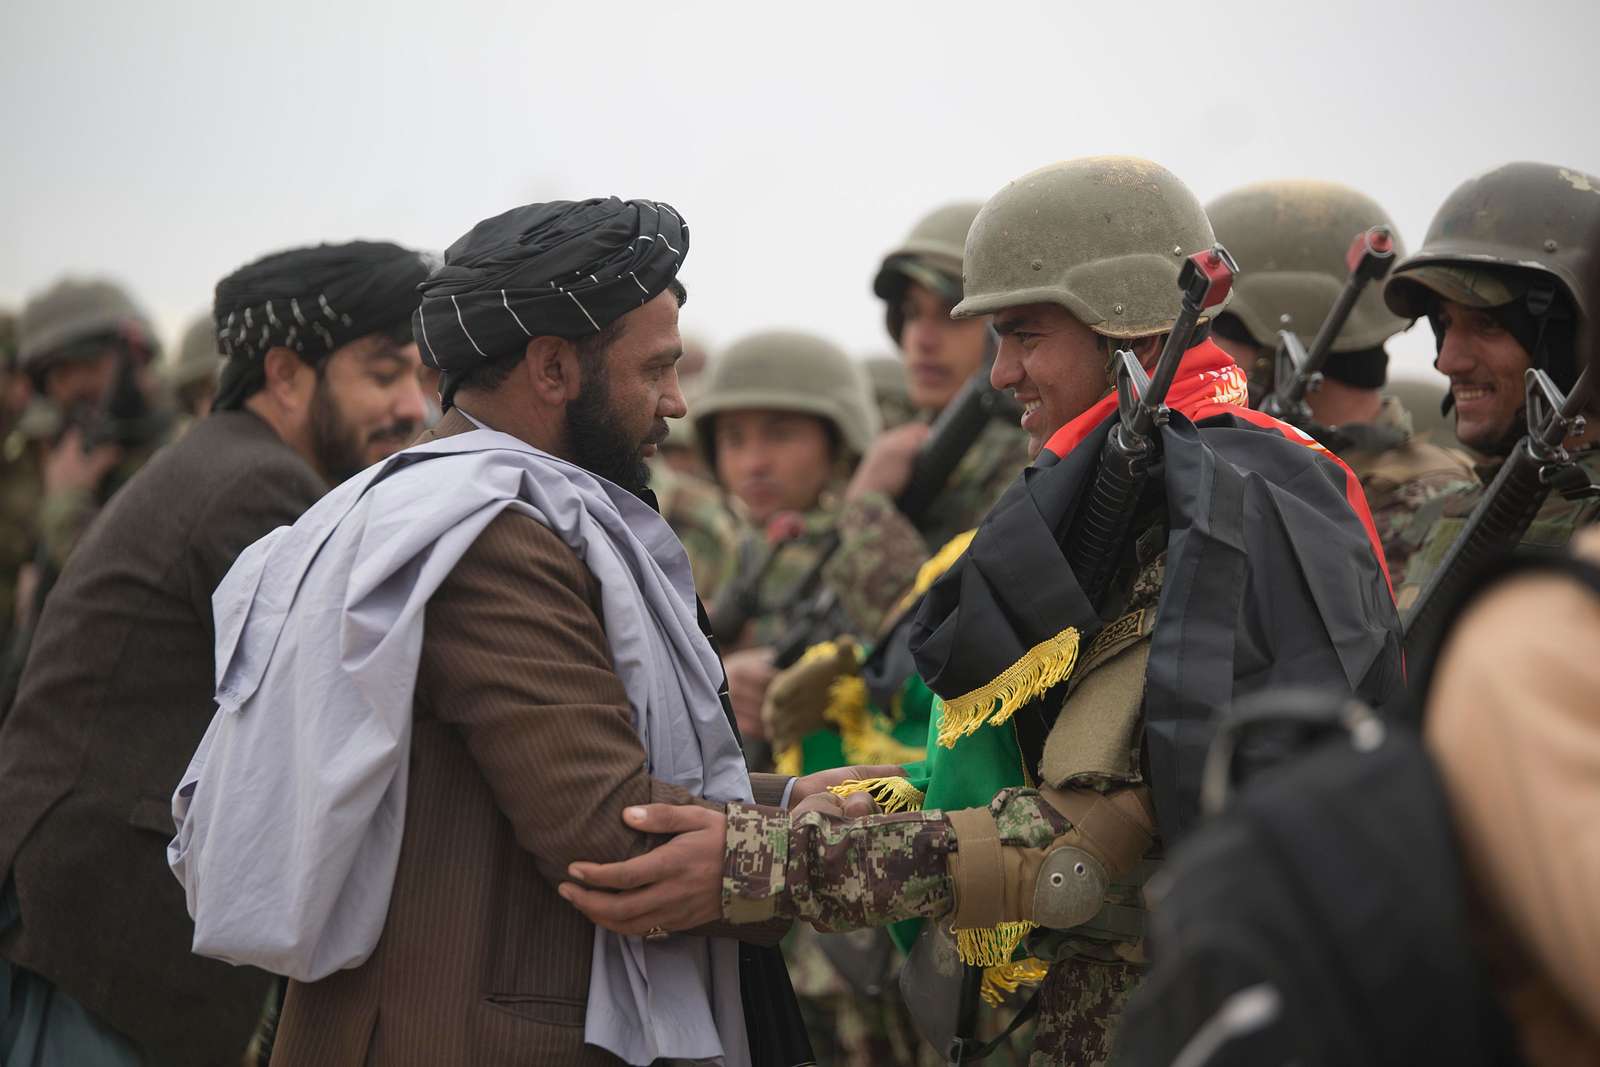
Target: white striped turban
{"points": [[562, 269]]}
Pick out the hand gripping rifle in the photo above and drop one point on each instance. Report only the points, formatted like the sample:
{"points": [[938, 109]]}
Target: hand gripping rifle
{"points": [[1297, 371], [1537, 464], [1100, 529]]}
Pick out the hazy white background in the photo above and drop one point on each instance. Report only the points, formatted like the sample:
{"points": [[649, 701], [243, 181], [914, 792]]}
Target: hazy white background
{"points": [[166, 143]]}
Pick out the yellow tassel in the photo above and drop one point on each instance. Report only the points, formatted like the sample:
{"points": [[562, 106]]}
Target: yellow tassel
{"points": [[1044, 665], [991, 947], [864, 739], [820, 650], [789, 762], [931, 571], [1007, 978], [891, 794]]}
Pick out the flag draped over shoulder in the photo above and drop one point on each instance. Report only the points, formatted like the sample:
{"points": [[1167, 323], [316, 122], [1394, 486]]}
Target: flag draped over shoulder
{"points": [[1274, 576]]}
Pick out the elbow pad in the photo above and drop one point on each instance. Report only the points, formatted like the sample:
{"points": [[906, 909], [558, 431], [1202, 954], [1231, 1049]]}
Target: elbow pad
{"points": [[1057, 881]]}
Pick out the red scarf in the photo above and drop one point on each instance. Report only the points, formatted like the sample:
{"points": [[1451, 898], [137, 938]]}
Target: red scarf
{"points": [[1209, 383]]}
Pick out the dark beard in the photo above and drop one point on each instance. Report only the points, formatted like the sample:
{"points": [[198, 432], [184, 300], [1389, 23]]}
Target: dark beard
{"points": [[334, 443], [339, 447], [596, 443]]}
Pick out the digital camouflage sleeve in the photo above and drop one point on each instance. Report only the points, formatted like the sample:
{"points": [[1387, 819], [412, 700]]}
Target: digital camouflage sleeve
{"points": [[845, 874]]}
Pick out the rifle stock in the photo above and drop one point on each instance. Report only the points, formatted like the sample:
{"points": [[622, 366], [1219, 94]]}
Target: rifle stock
{"points": [[1506, 509]]}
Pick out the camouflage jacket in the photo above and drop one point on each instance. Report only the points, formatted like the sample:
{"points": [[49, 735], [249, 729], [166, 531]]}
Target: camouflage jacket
{"points": [[773, 579], [694, 509], [880, 551], [1400, 473], [1436, 525], [840, 874]]}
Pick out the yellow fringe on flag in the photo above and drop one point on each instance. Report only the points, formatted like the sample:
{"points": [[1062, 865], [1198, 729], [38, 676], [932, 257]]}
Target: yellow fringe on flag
{"points": [[1005, 979], [864, 739], [820, 650], [789, 762], [1044, 665], [891, 794], [991, 947], [930, 571]]}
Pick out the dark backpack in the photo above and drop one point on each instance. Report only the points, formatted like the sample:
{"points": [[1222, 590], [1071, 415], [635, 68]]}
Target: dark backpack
{"points": [[1321, 918]]}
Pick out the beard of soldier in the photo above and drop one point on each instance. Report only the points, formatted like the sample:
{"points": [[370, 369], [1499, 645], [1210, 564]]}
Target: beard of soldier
{"points": [[1055, 366]]}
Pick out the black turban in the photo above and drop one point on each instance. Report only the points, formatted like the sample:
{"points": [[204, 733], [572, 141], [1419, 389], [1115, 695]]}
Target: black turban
{"points": [[311, 300], [562, 269]]}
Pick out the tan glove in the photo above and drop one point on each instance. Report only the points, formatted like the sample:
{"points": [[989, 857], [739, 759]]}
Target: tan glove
{"points": [[798, 696]]}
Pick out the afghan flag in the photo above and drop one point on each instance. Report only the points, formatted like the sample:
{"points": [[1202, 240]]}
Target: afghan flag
{"points": [[1274, 577]]}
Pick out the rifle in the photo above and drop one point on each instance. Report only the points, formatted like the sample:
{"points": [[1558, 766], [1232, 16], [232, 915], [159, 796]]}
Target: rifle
{"points": [[953, 434], [1098, 532], [1537, 464], [1297, 371], [740, 600]]}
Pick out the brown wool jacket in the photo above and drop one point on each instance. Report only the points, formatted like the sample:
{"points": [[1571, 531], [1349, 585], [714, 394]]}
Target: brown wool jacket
{"points": [[113, 702], [523, 756]]}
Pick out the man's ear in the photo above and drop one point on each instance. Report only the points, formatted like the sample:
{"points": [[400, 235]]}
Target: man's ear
{"points": [[551, 370], [290, 381]]}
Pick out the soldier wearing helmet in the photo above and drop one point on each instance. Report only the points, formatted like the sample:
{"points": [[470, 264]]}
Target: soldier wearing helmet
{"points": [[191, 374], [882, 550], [1290, 239], [1059, 761], [782, 421], [88, 352], [1499, 278]]}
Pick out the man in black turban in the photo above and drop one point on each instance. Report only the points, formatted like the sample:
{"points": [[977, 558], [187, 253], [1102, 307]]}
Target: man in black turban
{"points": [[325, 332], [520, 282], [542, 699], [95, 960]]}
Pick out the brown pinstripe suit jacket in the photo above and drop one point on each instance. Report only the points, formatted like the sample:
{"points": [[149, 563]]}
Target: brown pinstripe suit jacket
{"points": [[523, 756]]}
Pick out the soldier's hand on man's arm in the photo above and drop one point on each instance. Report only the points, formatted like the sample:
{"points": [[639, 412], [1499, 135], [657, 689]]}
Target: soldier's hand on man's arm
{"points": [[886, 468], [675, 886]]}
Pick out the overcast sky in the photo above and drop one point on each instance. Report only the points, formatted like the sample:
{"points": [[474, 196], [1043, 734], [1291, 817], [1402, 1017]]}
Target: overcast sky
{"points": [[166, 143]]}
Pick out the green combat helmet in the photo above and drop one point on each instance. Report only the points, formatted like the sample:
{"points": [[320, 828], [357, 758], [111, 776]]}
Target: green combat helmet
{"points": [[782, 370], [930, 256], [198, 359], [1104, 237], [1290, 239], [56, 324], [1519, 233]]}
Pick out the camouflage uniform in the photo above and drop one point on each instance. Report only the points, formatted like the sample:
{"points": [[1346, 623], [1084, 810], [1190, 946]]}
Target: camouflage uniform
{"points": [[780, 572], [1516, 243], [1400, 474], [694, 509], [880, 551], [1435, 526], [848, 874]]}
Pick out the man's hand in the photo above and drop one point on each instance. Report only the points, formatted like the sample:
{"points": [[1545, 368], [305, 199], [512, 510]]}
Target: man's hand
{"points": [[886, 468], [675, 886], [811, 792], [750, 671], [69, 467]]}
